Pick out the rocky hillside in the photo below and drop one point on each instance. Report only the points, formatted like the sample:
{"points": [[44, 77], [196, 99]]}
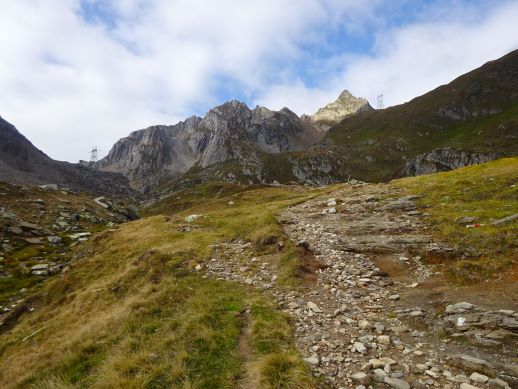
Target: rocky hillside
{"points": [[22, 163], [38, 227], [471, 120], [226, 286], [229, 132], [345, 105]]}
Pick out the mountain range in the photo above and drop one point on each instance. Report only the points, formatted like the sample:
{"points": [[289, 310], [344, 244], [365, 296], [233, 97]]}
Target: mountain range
{"points": [[22, 163], [471, 120], [229, 132]]}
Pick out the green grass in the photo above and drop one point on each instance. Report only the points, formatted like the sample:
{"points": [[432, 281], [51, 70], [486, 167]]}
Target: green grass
{"points": [[195, 196], [487, 192], [252, 217], [131, 312]]}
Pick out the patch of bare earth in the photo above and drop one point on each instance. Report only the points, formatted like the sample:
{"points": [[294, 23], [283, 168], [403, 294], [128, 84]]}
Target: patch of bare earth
{"points": [[245, 350]]}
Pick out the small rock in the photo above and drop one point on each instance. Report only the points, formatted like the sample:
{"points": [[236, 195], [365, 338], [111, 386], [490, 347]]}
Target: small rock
{"points": [[302, 243], [505, 220], [33, 240], [473, 364], [476, 377], [459, 308], [358, 347], [512, 370], [468, 386], [396, 383], [379, 328], [100, 201], [384, 339], [379, 375], [361, 378], [41, 266], [365, 325], [376, 363], [432, 373], [461, 378], [15, 230], [312, 306], [49, 187], [54, 239], [312, 361], [466, 220]]}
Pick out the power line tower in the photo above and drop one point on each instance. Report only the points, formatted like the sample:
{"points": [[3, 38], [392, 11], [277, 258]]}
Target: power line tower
{"points": [[93, 154], [380, 101]]}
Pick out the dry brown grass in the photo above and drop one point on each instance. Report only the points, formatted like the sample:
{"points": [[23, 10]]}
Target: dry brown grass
{"points": [[131, 314]]}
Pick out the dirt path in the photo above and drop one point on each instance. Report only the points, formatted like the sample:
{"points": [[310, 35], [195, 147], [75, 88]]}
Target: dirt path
{"points": [[373, 313], [245, 349]]}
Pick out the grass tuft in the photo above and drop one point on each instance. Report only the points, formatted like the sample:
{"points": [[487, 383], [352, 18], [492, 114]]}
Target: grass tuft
{"points": [[283, 370]]}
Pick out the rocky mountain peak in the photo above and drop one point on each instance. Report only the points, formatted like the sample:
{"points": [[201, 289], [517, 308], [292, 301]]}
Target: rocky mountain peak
{"points": [[230, 108], [345, 105], [345, 95]]}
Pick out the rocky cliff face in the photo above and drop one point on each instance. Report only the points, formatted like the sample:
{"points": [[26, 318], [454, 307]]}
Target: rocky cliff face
{"points": [[229, 132], [441, 160], [24, 164], [345, 105]]}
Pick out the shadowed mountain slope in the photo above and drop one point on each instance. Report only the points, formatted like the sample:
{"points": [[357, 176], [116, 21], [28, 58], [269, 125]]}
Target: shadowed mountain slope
{"points": [[22, 163]]}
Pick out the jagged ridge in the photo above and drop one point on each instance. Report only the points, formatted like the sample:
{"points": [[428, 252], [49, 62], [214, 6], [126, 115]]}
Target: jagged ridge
{"points": [[228, 132]]}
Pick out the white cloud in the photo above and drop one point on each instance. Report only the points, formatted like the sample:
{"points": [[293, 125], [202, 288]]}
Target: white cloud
{"points": [[411, 60], [297, 97], [68, 84], [415, 59]]}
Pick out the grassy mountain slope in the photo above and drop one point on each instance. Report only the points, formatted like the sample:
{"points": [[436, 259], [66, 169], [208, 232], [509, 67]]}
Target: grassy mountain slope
{"points": [[485, 193], [477, 112], [132, 313]]}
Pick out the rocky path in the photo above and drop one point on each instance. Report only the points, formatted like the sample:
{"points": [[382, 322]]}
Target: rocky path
{"points": [[363, 318]]}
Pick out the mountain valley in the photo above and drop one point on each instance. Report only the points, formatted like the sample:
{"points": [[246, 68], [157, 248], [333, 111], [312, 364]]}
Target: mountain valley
{"points": [[250, 248]]}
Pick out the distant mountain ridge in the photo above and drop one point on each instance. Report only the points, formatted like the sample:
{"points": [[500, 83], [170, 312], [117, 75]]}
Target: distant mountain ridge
{"points": [[24, 164], [471, 120], [229, 132]]}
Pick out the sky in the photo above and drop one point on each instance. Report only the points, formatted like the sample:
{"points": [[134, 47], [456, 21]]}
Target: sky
{"points": [[81, 73]]}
